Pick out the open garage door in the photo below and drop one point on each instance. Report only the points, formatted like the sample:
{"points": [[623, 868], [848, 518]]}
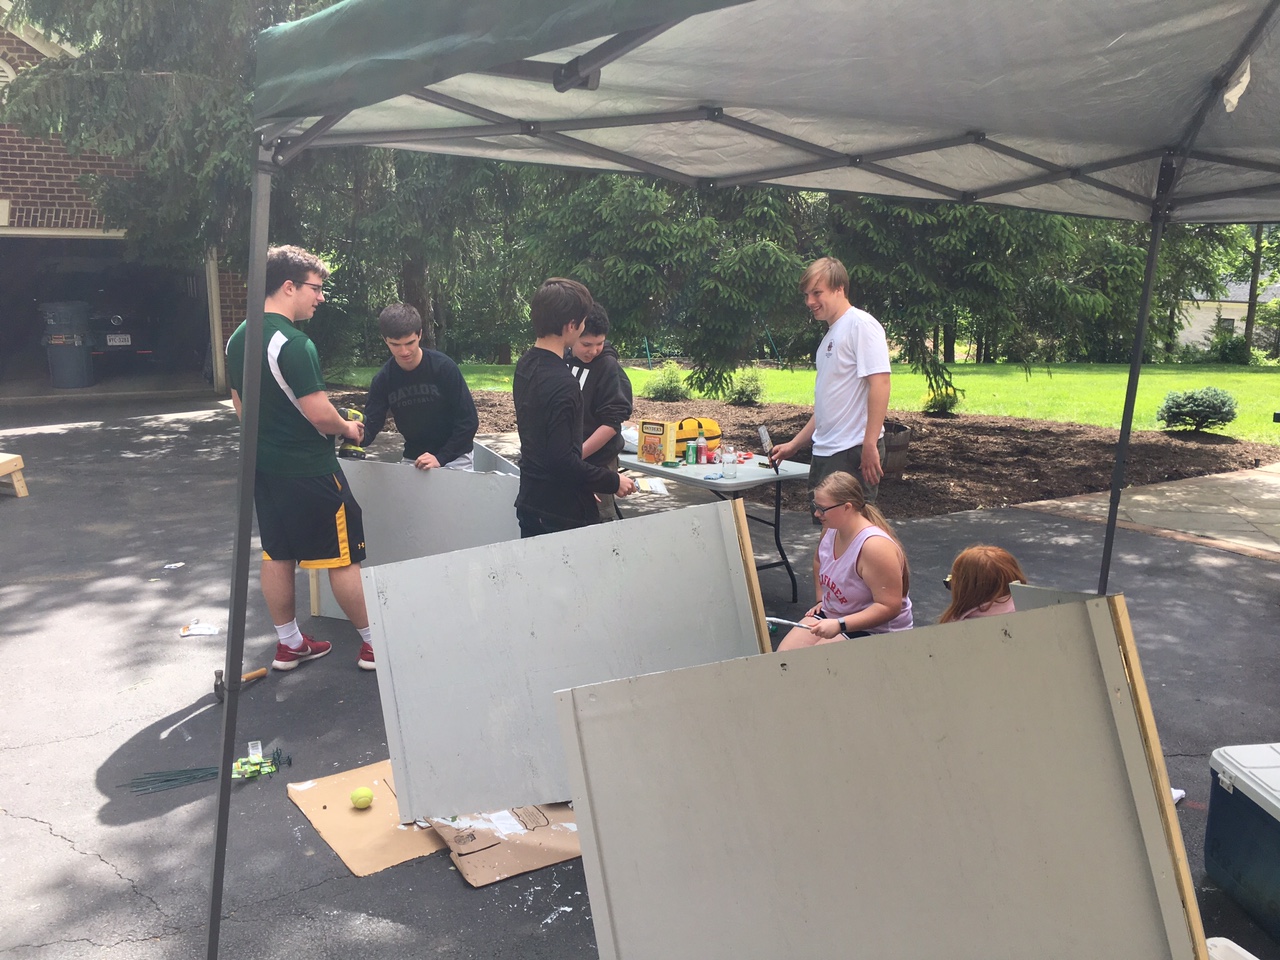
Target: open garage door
{"points": [[130, 326]]}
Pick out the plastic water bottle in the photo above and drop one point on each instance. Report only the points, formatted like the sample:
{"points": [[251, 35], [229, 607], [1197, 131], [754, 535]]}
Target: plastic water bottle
{"points": [[702, 447]]}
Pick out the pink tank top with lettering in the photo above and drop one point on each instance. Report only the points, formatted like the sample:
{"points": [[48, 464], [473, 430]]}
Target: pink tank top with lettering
{"points": [[844, 592]]}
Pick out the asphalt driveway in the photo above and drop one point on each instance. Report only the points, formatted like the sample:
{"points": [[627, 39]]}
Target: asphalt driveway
{"points": [[99, 688]]}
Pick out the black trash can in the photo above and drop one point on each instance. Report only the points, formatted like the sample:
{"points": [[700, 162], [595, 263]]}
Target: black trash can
{"points": [[66, 340]]}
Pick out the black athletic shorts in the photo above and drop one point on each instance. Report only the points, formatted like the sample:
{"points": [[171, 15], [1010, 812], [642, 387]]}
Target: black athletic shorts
{"points": [[314, 520]]}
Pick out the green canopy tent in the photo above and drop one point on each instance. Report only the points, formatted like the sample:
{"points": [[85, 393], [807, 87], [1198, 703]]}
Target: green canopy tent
{"points": [[1155, 110]]}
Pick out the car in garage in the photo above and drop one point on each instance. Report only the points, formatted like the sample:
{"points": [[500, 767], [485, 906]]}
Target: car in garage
{"points": [[120, 325]]}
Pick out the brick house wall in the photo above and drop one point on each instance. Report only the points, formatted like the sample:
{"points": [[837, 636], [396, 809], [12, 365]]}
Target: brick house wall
{"points": [[234, 296], [38, 178], [40, 194]]}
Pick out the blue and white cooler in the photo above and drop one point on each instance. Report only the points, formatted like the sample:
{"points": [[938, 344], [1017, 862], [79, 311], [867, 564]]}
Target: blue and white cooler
{"points": [[1242, 839]]}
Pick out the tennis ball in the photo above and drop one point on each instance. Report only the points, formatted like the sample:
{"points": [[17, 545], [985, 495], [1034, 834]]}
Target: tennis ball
{"points": [[361, 797]]}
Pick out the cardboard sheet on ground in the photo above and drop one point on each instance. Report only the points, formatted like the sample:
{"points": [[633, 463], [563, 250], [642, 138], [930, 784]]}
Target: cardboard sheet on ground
{"points": [[485, 848], [366, 840], [986, 790], [493, 846]]}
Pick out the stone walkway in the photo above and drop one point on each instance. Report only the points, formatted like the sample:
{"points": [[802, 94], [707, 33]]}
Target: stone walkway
{"points": [[1237, 511]]}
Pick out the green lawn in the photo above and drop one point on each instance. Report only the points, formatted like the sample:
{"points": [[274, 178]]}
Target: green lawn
{"points": [[1070, 393], [479, 376]]}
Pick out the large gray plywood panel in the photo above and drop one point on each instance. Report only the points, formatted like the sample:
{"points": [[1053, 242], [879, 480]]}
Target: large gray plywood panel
{"points": [[472, 645], [487, 460], [413, 513], [974, 791], [1032, 596]]}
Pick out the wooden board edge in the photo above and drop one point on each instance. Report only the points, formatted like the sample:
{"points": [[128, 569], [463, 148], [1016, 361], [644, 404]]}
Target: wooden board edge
{"points": [[753, 580], [313, 578], [1159, 774]]}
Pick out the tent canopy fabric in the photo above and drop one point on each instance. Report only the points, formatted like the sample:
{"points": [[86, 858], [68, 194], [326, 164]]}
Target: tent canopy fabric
{"points": [[1062, 107]]}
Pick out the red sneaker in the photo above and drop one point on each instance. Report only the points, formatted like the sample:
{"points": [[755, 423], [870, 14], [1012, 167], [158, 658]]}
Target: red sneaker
{"points": [[287, 658], [366, 657]]}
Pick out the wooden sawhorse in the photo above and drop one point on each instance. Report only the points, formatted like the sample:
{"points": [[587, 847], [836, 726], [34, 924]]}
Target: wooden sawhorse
{"points": [[11, 474]]}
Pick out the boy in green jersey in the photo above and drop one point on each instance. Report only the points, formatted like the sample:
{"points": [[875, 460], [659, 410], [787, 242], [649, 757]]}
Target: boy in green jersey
{"points": [[306, 513]]}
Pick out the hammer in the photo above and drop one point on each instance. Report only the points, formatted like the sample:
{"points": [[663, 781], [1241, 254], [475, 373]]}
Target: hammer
{"points": [[220, 688]]}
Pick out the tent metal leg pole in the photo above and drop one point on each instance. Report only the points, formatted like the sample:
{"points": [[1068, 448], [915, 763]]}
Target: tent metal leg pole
{"points": [[1130, 399], [259, 220]]}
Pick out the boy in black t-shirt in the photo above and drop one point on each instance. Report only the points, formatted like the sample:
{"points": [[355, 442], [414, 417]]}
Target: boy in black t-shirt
{"points": [[606, 397], [425, 392], [556, 484]]}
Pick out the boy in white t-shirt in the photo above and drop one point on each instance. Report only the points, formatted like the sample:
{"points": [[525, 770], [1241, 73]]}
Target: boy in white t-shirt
{"points": [[851, 395]]}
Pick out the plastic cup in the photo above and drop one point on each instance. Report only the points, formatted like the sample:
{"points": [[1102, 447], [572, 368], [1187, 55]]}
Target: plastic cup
{"points": [[728, 461]]}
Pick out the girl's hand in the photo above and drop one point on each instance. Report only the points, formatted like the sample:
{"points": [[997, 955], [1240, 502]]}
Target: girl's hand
{"points": [[826, 629], [813, 611]]}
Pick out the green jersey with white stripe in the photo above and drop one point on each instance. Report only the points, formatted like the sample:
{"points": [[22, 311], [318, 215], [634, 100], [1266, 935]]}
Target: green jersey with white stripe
{"points": [[288, 445]]}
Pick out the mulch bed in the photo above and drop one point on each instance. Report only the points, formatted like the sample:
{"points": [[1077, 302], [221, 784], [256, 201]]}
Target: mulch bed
{"points": [[960, 462]]}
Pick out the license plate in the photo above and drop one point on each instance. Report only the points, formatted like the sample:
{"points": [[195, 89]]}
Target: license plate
{"points": [[119, 340]]}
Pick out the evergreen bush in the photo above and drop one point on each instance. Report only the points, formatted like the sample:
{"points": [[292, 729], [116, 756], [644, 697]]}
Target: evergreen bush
{"points": [[1197, 409], [668, 383], [746, 389], [1226, 347], [941, 402]]}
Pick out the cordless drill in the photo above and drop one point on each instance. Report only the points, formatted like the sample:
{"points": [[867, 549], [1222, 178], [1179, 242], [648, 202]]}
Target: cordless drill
{"points": [[350, 450]]}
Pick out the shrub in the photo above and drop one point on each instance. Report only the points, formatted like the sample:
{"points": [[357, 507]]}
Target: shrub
{"points": [[1228, 348], [746, 389], [1190, 353], [668, 383], [1260, 358], [1197, 409], [941, 402]]}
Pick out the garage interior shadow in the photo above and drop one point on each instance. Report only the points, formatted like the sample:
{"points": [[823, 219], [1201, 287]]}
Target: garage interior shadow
{"points": [[145, 330]]}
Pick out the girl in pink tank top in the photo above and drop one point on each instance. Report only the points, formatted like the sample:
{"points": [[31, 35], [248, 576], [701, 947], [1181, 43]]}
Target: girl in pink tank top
{"points": [[860, 570]]}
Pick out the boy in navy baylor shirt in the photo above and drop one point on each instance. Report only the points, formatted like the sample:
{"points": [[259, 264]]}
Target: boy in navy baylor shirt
{"points": [[426, 394]]}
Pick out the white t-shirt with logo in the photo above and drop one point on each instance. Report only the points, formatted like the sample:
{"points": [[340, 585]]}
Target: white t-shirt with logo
{"points": [[853, 349]]}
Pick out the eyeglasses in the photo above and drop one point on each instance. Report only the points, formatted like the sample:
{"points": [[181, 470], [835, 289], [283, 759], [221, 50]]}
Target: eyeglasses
{"points": [[946, 581], [822, 511], [317, 287]]}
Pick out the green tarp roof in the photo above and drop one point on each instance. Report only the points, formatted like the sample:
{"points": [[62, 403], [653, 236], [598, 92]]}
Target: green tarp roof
{"points": [[1069, 107]]}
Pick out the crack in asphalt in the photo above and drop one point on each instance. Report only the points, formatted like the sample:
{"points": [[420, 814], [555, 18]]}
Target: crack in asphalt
{"points": [[94, 943], [167, 926], [281, 896]]}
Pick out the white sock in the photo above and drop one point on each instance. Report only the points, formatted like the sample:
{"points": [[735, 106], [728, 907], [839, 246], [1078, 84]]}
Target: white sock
{"points": [[366, 634], [289, 634]]}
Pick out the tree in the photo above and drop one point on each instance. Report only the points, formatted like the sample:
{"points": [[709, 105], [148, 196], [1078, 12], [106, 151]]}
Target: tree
{"points": [[1260, 265], [437, 232], [166, 87], [711, 267], [1087, 290], [933, 271]]}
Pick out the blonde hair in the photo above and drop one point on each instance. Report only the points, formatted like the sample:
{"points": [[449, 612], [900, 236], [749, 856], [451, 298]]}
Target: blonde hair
{"points": [[830, 271], [846, 488], [980, 575]]}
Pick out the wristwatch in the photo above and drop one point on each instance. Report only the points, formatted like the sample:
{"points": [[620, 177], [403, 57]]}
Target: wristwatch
{"points": [[841, 622]]}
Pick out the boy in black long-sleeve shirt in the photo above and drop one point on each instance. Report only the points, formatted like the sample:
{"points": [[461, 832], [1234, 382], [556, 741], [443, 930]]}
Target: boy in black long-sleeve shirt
{"points": [[606, 396], [557, 486], [425, 391]]}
